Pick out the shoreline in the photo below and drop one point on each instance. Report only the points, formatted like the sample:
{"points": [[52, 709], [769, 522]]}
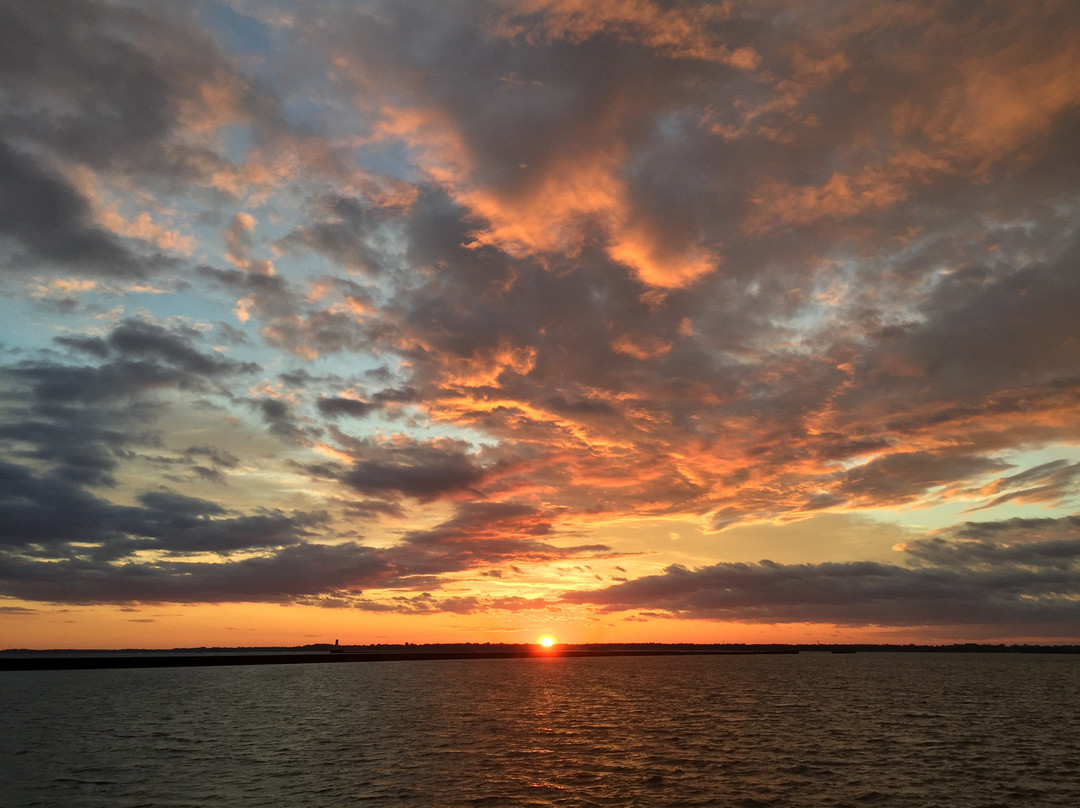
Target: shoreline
{"points": [[91, 661], [29, 660]]}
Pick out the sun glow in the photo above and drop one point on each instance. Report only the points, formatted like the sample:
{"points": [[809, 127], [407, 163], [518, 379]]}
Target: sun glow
{"points": [[547, 641]]}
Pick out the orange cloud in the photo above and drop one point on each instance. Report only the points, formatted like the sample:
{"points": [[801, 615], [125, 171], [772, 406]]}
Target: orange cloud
{"points": [[872, 189], [678, 33], [554, 206], [559, 202], [214, 105], [484, 368], [431, 134], [1001, 101]]}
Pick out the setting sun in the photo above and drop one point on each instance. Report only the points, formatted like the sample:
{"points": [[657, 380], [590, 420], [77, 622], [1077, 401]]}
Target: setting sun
{"points": [[547, 641]]}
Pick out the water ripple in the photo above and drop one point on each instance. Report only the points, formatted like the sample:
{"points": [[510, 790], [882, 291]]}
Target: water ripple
{"points": [[888, 730]]}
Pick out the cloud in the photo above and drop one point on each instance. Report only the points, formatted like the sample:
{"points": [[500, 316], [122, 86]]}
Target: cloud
{"points": [[282, 420], [852, 594], [49, 219], [124, 89], [427, 603], [771, 353], [295, 322], [239, 240], [1050, 482], [81, 420], [1019, 572], [300, 570], [483, 533], [269, 296], [1032, 544], [64, 544], [905, 476], [988, 327], [218, 457], [350, 231], [333, 407], [56, 515], [538, 163], [424, 471], [142, 356], [687, 32], [136, 338]]}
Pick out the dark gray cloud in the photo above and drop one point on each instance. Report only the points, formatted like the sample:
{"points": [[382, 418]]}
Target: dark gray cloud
{"points": [[82, 420], [424, 471], [149, 341], [333, 407], [50, 510], [271, 296], [95, 346], [83, 445], [50, 515], [282, 420], [992, 327], [142, 357], [289, 320], [119, 90], [66, 545], [372, 508], [112, 86], [902, 477], [1030, 544], [1019, 529], [299, 570], [347, 230], [219, 457], [46, 218], [1043, 601]]}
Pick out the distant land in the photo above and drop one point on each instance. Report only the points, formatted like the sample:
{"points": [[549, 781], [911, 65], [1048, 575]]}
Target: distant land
{"points": [[73, 659]]}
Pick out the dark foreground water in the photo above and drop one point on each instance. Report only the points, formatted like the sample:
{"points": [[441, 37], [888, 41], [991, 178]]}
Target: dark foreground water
{"points": [[919, 730]]}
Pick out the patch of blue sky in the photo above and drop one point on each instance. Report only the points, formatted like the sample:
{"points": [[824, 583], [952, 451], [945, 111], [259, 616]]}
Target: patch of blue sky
{"points": [[310, 109], [1028, 458], [297, 264], [955, 514], [923, 519], [45, 306], [1021, 510], [25, 328], [346, 367], [189, 302], [236, 33], [236, 141], [392, 159], [820, 304]]}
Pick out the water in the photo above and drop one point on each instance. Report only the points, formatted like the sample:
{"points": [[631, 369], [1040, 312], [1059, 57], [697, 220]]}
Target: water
{"points": [[916, 730]]}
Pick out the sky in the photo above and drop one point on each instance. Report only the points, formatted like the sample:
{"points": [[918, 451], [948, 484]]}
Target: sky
{"points": [[476, 320]]}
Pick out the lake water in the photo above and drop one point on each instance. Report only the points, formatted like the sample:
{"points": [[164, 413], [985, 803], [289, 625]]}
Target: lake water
{"points": [[884, 729]]}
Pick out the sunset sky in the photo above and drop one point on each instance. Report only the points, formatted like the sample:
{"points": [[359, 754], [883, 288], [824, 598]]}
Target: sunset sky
{"points": [[485, 319]]}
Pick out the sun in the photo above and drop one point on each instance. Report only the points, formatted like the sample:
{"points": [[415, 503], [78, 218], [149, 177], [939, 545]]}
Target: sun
{"points": [[547, 641]]}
